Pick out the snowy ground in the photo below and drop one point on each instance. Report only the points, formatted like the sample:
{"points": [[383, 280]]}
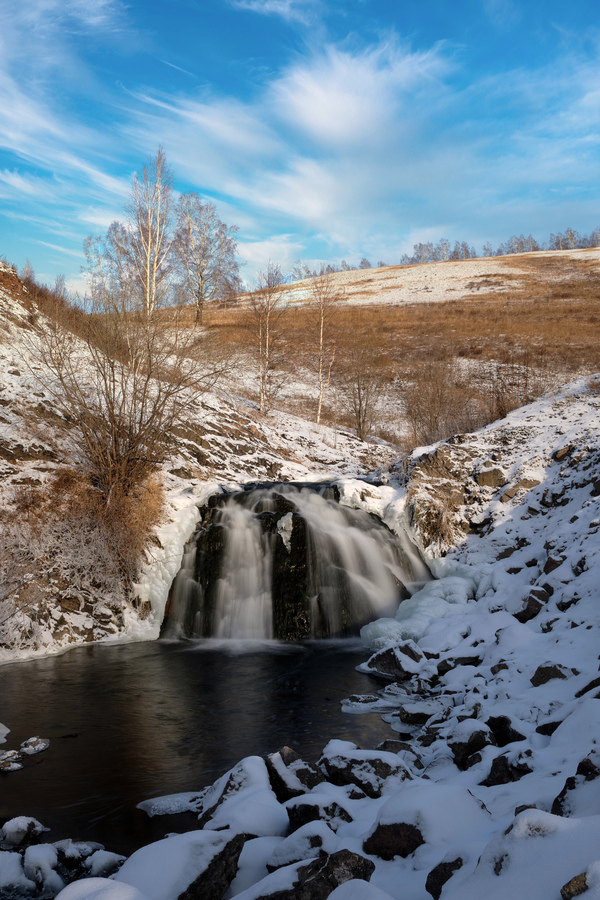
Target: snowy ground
{"points": [[489, 784], [435, 282], [225, 441]]}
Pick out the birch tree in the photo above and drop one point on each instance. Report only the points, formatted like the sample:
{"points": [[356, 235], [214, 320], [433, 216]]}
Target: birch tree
{"points": [[205, 249], [322, 308], [149, 224], [264, 327]]}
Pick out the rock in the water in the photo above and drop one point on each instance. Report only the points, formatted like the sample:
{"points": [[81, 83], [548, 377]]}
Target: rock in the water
{"points": [[34, 745], [247, 789], [20, 831], [396, 663]]}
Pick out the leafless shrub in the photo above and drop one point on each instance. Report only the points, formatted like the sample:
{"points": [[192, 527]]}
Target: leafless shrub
{"points": [[362, 385]]}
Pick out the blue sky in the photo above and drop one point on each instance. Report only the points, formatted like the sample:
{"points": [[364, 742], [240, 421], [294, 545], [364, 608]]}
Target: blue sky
{"points": [[323, 129]]}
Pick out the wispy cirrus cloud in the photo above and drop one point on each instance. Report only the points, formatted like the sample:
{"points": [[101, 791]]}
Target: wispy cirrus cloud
{"points": [[302, 11]]}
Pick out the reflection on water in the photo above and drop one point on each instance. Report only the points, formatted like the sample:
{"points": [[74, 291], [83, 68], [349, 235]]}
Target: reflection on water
{"points": [[131, 722]]}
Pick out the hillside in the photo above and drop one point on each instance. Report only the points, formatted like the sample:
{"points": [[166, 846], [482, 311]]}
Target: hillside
{"points": [[224, 440], [487, 785], [448, 346], [440, 282]]}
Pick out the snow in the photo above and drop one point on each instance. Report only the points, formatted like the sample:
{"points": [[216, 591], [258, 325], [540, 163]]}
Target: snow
{"points": [[522, 689], [11, 871], [164, 869], [16, 830], [100, 889], [39, 864]]}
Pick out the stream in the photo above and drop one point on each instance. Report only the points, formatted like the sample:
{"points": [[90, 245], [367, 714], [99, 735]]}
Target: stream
{"points": [[134, 721]]}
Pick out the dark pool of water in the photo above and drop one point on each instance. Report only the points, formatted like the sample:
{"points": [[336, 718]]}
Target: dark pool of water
{"points": [[136, 721]]}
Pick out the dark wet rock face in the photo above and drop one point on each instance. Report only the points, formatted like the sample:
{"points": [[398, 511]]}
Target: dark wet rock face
{"points": [[315, 809]]}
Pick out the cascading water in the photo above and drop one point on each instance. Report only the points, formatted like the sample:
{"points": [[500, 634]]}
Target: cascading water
{"points": [[289, 563]]}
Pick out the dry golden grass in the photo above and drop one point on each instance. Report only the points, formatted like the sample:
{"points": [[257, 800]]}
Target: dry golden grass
{"points": [[493, 350]]}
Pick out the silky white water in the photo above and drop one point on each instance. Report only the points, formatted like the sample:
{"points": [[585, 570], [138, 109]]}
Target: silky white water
{"points": [[345, 565]]}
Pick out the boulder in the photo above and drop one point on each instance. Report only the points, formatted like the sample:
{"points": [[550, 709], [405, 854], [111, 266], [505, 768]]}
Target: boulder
{"points": [[547, 671], [291, 776], [394, 839], [563, 804], [317, 879], [313, 839], [192, 866], [530, 608], [370, 770], [439, 875], [492, 477], [397, 663], [573, 888], [475, 739], [501, 728], [243, 794], [504, 772], [316, 807]]}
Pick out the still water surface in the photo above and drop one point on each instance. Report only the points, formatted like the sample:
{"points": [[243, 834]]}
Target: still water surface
{"points": [[136, 721]]}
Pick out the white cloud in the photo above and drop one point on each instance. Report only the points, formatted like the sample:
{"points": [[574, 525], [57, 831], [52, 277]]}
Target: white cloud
{"points": [[282, 249], [303, 11], [340, 97]]}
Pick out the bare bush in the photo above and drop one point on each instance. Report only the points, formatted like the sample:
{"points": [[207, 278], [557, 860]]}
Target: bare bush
{"points": [[363, 383], [438, 402], [120, 391]]}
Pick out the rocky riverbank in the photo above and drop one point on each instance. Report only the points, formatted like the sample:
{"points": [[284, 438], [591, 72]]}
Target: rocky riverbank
{"points": [[489, 782]]}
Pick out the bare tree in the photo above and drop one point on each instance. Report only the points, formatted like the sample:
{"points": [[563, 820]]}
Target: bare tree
{"points": [[120, 389], [264, 327], [110, 269], [149, 227], [363, 383], [443, 248], [205, 249], [321, 309]]}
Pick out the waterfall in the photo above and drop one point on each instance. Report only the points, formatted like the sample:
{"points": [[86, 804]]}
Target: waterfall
{"points": [[289, 563]]}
